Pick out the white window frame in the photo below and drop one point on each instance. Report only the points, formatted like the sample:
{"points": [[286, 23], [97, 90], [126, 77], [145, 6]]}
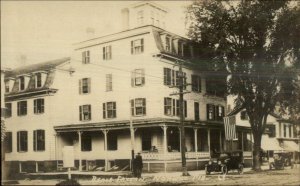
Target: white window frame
{"points": [[138, 77], [22, 109], [85, 112], [109, 86], [38, 75], [39, 106], [86, 57], [36, 140], [137, 46], [19, 141], [137, 105], [107, 52], [109, 110]]}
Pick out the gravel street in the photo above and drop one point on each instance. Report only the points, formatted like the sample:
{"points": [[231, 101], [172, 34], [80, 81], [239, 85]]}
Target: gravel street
{"points": [[287, 176]]}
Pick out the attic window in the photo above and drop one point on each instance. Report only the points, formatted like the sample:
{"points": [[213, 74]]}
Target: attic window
{"points": [[168, 44], [7, 86], [38, 80], [22, 82]]}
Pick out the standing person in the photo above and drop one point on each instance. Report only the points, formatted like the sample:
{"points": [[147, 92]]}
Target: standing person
{"points": [[138, 165], [134, 167]]}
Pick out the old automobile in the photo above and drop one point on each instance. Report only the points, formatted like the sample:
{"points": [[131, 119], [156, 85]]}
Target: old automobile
{"points": [[280, 160], [225, 161]]}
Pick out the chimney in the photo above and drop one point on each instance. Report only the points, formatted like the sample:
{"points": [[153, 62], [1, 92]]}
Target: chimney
{"points": [[125, 17]]}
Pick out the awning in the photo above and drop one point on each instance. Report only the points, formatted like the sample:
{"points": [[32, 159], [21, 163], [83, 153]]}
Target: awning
{"points": [[268, 143], [291, 146]]}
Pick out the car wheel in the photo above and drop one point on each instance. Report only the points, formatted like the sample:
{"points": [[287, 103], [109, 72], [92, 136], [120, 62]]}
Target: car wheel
{"points": [[241, 169], [224, 170], [206, 171]]}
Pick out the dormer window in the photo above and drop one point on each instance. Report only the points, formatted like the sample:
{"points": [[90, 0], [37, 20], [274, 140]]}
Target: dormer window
{"points": [[168, 44], [7, 86], [38, 80], [22, 82]]}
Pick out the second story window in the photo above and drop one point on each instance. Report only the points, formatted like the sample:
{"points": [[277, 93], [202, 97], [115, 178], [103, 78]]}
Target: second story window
{"points": [[219, 113], [196, 83], [22, 141], [86, 57], [8, 110], [107, 52], [168, 106], [38, 80], [137, 46], [138, 107], [22, 83], [85, 113], [39, 140], [138, 77], [210, 109], [244, 115], [22, 108], [38, 106], [85, 86], [108, 82], [109, 110], [171, 107]]}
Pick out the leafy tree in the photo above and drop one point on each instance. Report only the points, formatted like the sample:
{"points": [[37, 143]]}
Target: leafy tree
{"points": [[257, 44]]}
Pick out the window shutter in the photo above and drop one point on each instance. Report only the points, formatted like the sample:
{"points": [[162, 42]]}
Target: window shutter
{"points": [[173, 77], [165, 104], [223, 112], [132, 78], [174, 107], [35, 106], [214, 112], [18, 141], [110, 52], [103, 53], [184, 80], [207, 111], [165, 76], [143, 76], [131, 47], [44, 139], [104, 111], [144, 106], [142, 43], [88, 56], [34, 140], [132, 107], [90, 112], [26, 141], [89, 85], [80, 113], [80, 86], [115, 109]]}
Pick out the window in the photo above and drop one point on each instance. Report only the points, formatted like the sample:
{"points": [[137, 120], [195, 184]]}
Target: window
{"points": [[167, 76], [86, 142], [85, 113], [180, 48], [109, 110], [8, 110], [196, 83], [8, 142], [168, 44], [140, 17], [168, 106], [138, 107], [137, 46], [112, 141], [38, 80], [244, 115], [196, 111], [6, 86], [107, 52], [272, 130], [210, 112], [86, 57], [284, 130], [219, 113], [85, 86], [138, 77], [38, 106], [172, 77], [22, 82], [22, 143], [22, 108], [171, 107], [108, 82], [39, 140]]}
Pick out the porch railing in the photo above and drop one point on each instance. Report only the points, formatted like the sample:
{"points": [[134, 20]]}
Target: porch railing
{"points": [[173, 155]]}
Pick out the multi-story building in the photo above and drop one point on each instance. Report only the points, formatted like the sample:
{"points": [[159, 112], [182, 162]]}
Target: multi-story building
{"points": [[110, 82]]}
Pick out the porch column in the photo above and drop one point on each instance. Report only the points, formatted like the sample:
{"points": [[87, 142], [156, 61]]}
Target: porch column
{"points": [[105, 148], [79, 149], [208, 140], [165, 146], [242, 141], [220, 140], [196, 139]]}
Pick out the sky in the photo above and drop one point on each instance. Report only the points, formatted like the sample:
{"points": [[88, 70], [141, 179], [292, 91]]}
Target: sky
{"points": [[37, 31]]}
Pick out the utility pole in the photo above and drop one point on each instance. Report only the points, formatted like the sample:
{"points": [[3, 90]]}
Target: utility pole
{"points": [[131, 136], [182, 84]]}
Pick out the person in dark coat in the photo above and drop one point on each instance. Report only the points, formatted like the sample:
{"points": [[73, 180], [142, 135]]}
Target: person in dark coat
{"points": [[138, 164]]}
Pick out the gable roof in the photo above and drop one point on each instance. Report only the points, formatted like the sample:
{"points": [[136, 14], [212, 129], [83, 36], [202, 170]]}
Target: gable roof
{"points": [[37, 67]]}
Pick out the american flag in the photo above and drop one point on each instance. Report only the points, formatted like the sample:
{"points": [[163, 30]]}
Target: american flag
{"points": [[229, 124]]}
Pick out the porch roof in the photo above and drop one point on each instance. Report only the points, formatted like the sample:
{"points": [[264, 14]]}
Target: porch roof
{"points": [[137, 123]]}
